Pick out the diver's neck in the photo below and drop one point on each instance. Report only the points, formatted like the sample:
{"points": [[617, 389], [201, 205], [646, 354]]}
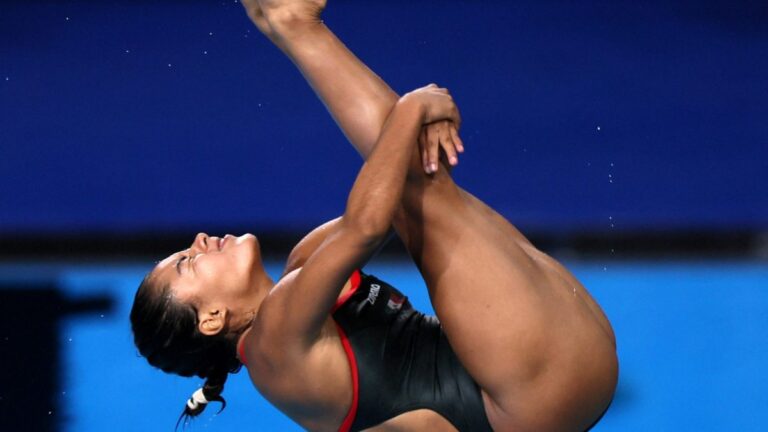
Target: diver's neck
{"points": [[241, 345], [246, 307], [263, 287]]}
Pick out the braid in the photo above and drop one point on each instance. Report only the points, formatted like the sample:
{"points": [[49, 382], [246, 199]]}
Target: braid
{"points": [[209, 392]]}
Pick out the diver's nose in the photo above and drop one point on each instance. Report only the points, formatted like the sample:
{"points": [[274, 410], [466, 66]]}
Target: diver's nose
{"points": [[201, 242]]}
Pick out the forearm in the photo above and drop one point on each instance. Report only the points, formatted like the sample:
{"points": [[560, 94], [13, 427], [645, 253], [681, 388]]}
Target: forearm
{"points": [[370, 208], [378, 189], [356, 97]]}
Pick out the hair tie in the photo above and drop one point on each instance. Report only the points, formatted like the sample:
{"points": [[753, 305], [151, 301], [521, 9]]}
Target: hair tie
{"points": [[198, 397]]}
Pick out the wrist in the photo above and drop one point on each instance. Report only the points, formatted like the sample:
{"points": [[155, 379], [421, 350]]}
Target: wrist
{"points": [[413, 105]]}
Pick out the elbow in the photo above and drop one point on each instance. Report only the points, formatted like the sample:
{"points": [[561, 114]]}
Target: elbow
{"points": [[371, 230]]}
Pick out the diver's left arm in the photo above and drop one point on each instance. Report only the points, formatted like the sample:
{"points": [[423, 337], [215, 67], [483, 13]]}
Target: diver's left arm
{"points": [[303, 299], [307, 296]]}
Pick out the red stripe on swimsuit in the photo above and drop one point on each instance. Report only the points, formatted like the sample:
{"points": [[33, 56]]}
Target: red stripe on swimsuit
{"points": [[241, 351], [346, 425], [350, 418]]}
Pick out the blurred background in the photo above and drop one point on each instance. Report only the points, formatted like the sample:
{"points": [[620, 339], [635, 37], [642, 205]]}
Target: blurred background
{"points": [[628, 139]]}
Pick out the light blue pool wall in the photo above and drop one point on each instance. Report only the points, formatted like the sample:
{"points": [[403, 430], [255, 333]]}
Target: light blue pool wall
{"points": [[692, 341]]}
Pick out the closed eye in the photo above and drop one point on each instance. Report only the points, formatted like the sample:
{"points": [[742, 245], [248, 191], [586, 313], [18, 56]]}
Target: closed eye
{"points": [[178, 264]]}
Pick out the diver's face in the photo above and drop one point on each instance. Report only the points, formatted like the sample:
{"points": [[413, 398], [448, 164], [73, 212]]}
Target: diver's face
{"points": [[212, 269]]}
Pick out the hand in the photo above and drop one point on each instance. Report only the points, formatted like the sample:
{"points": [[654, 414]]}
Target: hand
{"points": [[435, 136], [441, 122], [437, 104], [270, 16]]}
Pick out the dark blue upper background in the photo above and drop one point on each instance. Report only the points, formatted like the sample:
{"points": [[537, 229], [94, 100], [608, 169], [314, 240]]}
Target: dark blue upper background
{"points": [[139, 116]]}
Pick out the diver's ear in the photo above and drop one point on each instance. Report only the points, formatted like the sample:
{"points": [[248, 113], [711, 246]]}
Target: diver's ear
{"points": [[212, 320]]}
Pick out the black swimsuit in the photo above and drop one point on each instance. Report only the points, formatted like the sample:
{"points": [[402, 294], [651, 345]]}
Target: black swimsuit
{"points": [[401, 361]]}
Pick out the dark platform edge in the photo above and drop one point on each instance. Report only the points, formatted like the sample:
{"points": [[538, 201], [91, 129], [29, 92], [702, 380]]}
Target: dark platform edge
{"points": [[624, 245]]}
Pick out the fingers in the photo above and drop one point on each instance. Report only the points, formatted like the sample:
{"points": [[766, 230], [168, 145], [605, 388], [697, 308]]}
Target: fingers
{"points": [[436, 136], [440, 131], [433, 149], [447, 144], [456, 140], [423, 146]]}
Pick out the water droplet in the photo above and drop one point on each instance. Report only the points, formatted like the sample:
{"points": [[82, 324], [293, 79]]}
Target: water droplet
{"points": [[102, 315], [127, 51], [50, 412], [69, 340], [205, 52], [610, 175], [598, 128], [7, 78], [259, 104], [66, 18], [169, 65], [210, 33], [612, 225], [613, 251], [605, 268], [611, 163]]}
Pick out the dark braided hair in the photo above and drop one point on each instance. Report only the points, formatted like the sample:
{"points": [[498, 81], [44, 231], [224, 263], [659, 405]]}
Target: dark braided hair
{"points": [[166, 333]]}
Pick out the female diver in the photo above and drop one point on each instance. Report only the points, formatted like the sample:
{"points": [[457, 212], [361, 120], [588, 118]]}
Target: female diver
{"points": [[520, 345]]}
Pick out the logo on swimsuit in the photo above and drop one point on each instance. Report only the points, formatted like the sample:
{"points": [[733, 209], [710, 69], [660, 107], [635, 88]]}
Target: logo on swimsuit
{"points": [[395, 302], [373, 294]]}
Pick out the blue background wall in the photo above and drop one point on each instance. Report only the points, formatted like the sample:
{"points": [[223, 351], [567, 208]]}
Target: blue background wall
{"points": [[153, 116], [169, 116]]}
